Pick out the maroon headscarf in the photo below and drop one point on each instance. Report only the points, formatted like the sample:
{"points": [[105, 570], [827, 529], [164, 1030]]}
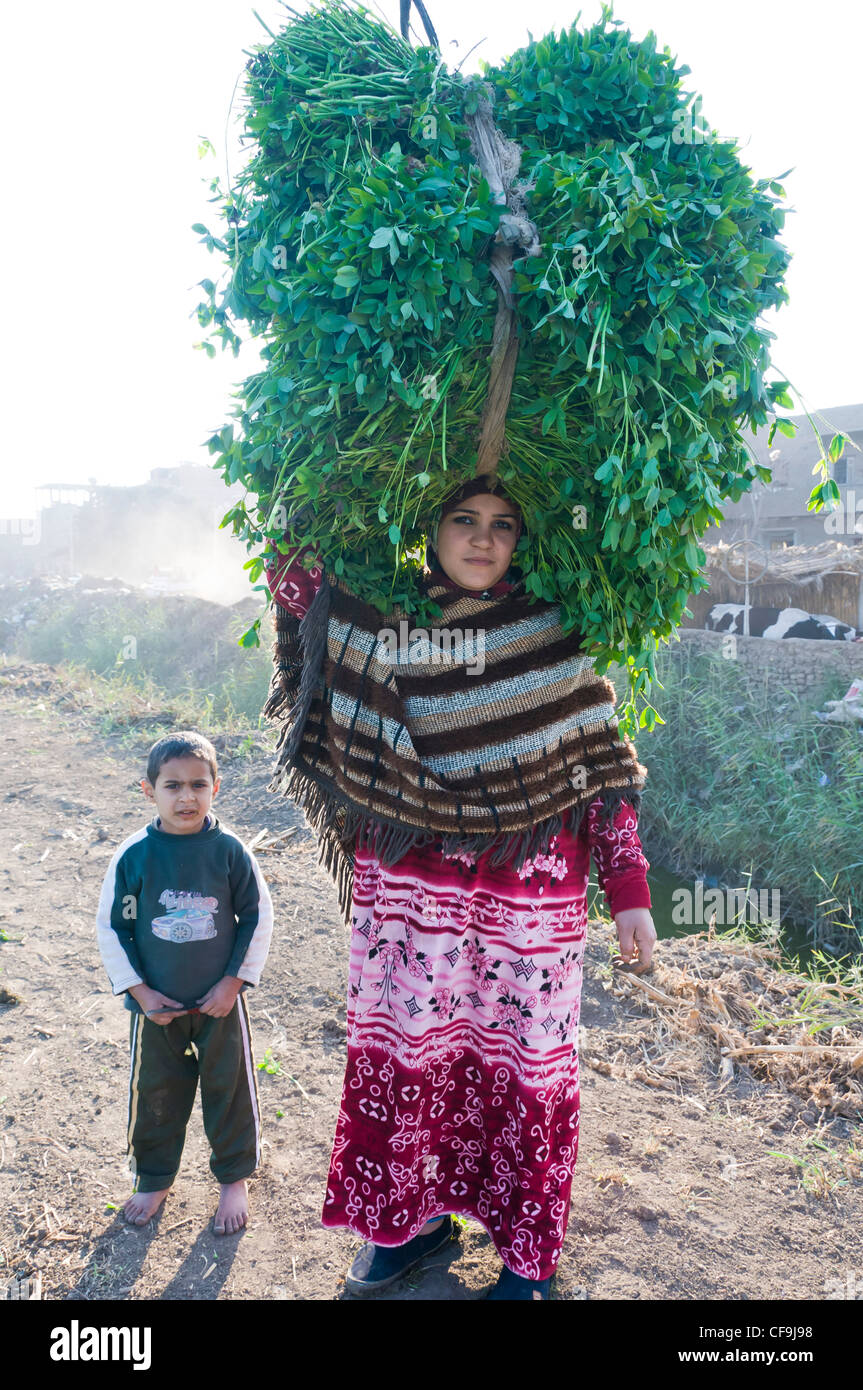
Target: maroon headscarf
{"points": [[485, 483]]}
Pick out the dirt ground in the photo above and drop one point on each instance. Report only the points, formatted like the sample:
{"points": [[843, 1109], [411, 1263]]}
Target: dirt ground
{"points": [[680, 1193]]}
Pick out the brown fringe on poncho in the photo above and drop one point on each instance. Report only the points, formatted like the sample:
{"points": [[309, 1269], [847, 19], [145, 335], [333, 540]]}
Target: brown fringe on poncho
{"points": [[388, 736]]}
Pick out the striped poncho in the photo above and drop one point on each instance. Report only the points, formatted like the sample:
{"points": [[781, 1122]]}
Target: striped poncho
{"points": [[490, 730]]}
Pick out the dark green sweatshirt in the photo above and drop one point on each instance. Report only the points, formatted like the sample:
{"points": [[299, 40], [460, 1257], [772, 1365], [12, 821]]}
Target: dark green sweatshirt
{"points": [[177, 912]]}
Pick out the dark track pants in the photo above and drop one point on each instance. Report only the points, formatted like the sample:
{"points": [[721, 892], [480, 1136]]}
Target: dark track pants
{"points": [[163, 1079]]}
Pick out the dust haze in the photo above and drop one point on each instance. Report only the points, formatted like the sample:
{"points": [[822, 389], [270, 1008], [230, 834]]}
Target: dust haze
{"points": [[162, 536]]}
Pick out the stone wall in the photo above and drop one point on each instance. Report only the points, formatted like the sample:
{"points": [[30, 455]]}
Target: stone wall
{"points": [[796, 664]]}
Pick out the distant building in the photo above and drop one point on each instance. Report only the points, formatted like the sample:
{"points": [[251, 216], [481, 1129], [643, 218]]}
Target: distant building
{"points": [[165, 530], [775, 514]]}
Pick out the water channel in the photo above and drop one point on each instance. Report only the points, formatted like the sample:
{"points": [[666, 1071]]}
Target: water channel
{"points": [[682, 906]]}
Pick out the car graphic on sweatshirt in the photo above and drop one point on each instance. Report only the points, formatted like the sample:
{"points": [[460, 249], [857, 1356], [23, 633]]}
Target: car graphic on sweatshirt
{"points": [[189, 918]]}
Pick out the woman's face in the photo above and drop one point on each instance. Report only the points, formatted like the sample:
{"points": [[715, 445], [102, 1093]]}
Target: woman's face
{"points": [[475, 542]]}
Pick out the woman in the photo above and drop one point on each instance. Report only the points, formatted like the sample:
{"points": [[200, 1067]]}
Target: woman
{"points": [[461, 1093]]}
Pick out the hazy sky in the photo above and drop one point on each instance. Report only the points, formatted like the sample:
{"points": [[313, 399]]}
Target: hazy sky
{"points": [[102, 109]]}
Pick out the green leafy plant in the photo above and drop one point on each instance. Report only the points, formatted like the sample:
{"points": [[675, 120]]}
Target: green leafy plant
{"points": [[356, 243], [269, 1064]]}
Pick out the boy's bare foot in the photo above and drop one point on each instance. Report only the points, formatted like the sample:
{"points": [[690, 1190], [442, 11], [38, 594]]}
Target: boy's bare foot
{"points": [[233, 1209], [142, 1205]]}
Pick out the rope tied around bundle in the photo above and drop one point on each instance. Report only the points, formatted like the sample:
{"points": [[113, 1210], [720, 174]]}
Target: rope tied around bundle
{"points": [[499, 159]]}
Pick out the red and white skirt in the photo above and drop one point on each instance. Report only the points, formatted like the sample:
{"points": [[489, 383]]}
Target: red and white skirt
{"points": [[461, 1092]]}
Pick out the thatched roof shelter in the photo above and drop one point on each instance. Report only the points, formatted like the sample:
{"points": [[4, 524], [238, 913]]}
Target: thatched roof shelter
{"points": [[824, 578]]}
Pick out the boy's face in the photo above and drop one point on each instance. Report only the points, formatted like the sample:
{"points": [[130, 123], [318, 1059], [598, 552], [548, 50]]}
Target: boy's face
{"points": [[183, 794]]}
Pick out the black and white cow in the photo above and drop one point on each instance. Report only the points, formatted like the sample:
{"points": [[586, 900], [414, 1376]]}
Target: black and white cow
{"points": [[778, 622], [841, 631]]}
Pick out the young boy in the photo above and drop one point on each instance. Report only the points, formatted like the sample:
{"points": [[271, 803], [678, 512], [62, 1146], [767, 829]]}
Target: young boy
{"points": [[184, 925]]}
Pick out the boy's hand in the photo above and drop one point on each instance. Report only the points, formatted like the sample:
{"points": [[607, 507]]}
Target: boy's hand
{"points": [[219, 1000], [157, 1006], [637, 935]]}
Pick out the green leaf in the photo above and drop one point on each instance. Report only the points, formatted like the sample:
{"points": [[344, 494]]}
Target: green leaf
{"points": [[837, 447], [382, 237], [394, 534], [330, 322]]}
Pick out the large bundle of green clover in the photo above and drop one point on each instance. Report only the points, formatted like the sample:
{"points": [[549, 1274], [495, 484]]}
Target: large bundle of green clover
{"points": [[359, 237]]}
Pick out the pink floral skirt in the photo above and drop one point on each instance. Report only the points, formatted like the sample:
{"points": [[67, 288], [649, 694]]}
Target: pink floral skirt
{"points": [[461, 1090]]}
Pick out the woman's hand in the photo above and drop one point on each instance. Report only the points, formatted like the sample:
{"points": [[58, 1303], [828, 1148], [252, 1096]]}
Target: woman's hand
{"points": [[636, 935]]}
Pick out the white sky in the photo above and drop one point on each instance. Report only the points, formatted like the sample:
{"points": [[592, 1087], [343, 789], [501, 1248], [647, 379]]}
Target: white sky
{"points": [[102, 109]]}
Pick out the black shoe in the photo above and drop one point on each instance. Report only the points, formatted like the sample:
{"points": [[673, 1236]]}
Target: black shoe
{"points": [[515, 1288], [376, 1266]]}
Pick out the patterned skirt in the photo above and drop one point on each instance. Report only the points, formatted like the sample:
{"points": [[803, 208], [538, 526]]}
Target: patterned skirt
{"points": [[461, 1090]]}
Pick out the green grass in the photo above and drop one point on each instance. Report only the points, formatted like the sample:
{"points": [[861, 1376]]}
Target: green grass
{"points": [[169, 649], [734, 789], [819, 1176]]}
